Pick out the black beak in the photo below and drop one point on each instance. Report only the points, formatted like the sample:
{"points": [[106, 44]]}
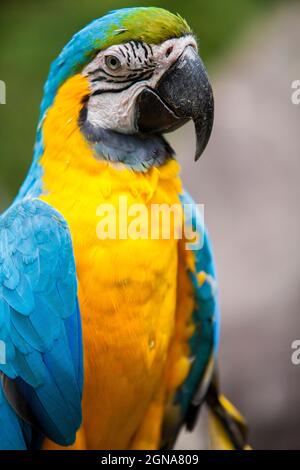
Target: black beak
{"points": [[183, 93]]}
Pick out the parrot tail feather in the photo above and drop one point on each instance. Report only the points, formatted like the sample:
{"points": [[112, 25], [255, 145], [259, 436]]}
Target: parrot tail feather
{"points": [[227, 427]]}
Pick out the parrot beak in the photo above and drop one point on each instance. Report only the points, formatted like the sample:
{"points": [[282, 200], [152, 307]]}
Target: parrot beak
{"points": [[183, 93]]}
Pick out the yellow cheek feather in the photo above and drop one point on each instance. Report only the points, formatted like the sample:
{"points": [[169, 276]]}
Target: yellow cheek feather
{"points": [[127, 288]]}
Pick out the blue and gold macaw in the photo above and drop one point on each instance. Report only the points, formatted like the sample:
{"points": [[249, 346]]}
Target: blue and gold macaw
{"points": [[110, 343]]}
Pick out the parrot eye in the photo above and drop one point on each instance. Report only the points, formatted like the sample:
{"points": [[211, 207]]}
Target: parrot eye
{"points": [[112, 62]]}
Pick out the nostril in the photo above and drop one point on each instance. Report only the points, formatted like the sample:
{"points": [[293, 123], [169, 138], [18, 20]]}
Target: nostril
{"points": [[169, 51]]}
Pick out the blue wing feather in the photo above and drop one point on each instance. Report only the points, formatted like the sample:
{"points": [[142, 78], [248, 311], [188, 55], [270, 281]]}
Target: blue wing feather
{"points": [[40, 320], [11, 434], [204, 342]]}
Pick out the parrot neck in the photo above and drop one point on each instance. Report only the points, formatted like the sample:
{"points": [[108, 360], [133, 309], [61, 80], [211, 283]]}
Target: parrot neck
{"points": [[139, 152], [65, 162], [66, 143]]}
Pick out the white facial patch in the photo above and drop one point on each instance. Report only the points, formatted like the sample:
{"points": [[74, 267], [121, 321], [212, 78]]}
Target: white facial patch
{"points": [[118, 75]]}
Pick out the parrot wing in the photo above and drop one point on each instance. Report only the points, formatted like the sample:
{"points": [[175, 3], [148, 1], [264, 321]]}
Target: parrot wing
{"points": [[40, 329], [203, 344], [201, 383], [11, 436]]}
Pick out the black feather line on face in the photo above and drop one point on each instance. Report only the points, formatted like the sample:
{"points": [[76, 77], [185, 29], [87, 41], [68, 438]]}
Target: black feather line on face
{"points": [[121, 50], [145, 50], [145, 76], [126, 47], [101, 70], [136, 72], [141, 75], [111, 90], [133, 47]]}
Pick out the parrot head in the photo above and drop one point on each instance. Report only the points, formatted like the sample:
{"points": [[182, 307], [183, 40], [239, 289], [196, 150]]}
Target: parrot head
{"points": [[145, 78]]}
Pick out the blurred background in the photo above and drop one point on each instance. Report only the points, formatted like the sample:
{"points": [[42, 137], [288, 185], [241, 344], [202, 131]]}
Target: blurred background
{"points": [[248, 179]]}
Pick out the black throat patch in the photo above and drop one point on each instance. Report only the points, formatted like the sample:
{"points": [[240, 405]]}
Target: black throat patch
{"points": [[139, 151]]}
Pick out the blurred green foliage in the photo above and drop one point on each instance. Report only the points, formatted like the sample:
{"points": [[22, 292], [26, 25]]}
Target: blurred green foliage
{"points": [[32, 32]]}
